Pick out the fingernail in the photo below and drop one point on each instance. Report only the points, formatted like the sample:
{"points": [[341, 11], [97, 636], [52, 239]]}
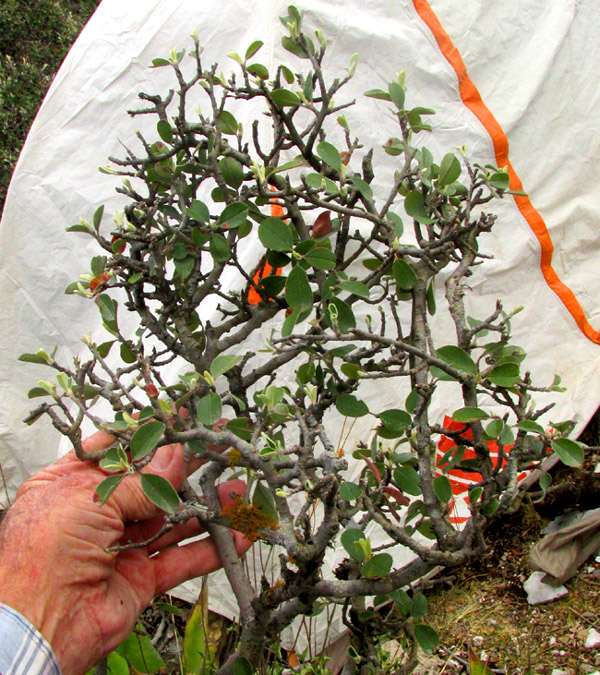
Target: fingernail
{"points": [[162, 458]]}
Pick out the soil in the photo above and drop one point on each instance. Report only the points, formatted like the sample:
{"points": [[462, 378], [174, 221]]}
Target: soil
{"points": [[483, 607]]}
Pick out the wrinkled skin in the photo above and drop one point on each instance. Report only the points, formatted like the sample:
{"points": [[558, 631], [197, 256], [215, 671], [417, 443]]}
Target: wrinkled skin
{"points": [[54, 568]]}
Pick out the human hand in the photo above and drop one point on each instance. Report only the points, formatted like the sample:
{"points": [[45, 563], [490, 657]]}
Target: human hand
{"points": [[54, 568]]}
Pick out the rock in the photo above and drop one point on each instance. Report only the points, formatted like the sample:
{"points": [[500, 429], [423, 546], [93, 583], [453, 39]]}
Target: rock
{"points": [[558, 671], [478, 640], [539, 593], [593, 639]]}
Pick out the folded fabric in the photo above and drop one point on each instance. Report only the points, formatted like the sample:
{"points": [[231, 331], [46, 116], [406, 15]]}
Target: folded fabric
{"points": [[562, 553]]}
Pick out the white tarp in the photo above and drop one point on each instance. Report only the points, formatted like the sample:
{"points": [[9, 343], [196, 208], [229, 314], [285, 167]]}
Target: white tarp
{"points": [[516, 81]]}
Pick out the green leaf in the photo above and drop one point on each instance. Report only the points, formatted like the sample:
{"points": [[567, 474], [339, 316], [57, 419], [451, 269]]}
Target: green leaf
{"points": [[185, 267], [442, 489], [227, 123], [458, 358], [402, 599], [449, 170], [275, 235], [41, 357], [285, 97], [396, 95], [258, 70], [414, 205], [145, 439], [80, 227], [378, 93], [346, 320], [222, 363], [570, 452], [298, 293], [234, 215], [418, 606], [195, 642], [348, 541], [138, 651], [97, 217], [330, 155], [379, 565], [37, 391], [107, 487], [531, 427], [160, 492], [127, 354], [252, 49], [356, 288], [427, 638], [159, 63], [397, 223], [219, 248], [240, 426], [117, 665], [408, 480], [241, 666], [504, 375], [165, 131], [363, 187], [395, 419], [494, 429], [350, 491], [208, 409], [500, 180], [232, 172], [321, 258], [350, 406], [199, 211], [469, 415], [264, 500], [404, 275]]}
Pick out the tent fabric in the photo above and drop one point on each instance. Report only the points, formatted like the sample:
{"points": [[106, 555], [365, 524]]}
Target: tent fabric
{"points": [[516, 82], [562, 553]]}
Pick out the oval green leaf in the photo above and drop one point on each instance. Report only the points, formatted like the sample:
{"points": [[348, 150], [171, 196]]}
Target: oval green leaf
{"points": [[232, 172], [208, 409], [275, 235], [427, 638], [442, 489], [570, 452], [469, 415], [404, 275], [379, 565], [160, 492], [330, 155], [350, 406], [349, 539], [284, 97], [224, 362], [458, 358], [146, 438], [414, 205]]}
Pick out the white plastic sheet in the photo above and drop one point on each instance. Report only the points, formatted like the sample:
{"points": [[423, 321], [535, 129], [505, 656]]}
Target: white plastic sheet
{"points": [[517, 82]]}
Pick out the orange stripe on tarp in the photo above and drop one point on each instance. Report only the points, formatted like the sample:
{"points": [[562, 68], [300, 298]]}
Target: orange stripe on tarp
{"points": [[264, 271], [472, 100]]}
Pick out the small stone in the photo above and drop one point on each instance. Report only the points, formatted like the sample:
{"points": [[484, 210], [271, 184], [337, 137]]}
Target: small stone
{"points": [[539, 593], [551, 641], [558, 671], [593, 639], [478, 641]]}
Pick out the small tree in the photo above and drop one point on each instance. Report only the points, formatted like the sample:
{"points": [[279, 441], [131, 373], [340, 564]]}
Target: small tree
{"points": [[333, 250]]}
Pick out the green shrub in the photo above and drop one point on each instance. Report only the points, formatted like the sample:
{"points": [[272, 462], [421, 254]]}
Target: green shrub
{"points": [[34, 39]]}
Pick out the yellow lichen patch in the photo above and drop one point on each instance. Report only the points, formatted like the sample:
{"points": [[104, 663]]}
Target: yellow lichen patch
{"points": [[248, 518], [234, 457]]}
